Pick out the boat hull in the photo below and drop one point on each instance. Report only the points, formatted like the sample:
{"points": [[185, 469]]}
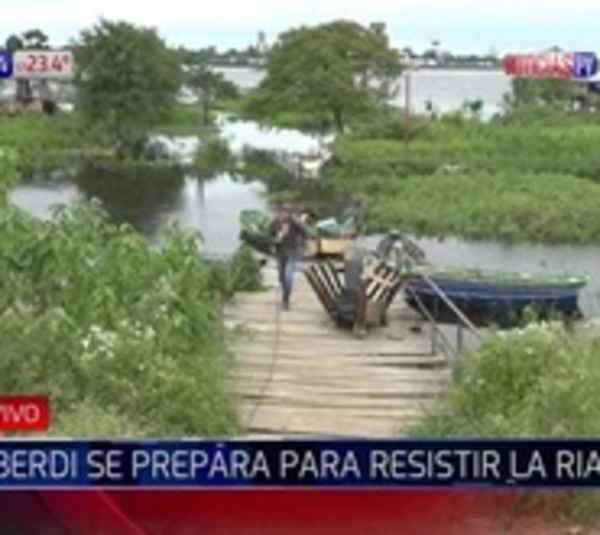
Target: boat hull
{"points": [[485, 303]]}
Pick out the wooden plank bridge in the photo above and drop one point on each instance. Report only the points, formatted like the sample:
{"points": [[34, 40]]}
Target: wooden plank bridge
{"points": [[296, 374]]}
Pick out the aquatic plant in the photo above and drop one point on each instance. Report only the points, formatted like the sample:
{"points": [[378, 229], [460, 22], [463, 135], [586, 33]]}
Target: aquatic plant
{"points": [[508, 206]]}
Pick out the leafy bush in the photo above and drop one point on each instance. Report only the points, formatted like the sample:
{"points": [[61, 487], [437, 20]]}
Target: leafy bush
{"points": [[88, 420], [97, 320], [538, 381], [242, 273], [245, 270]]}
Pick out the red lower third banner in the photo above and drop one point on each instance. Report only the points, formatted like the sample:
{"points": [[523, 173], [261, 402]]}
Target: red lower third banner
{"points": [[269, 513], [24, 413]]}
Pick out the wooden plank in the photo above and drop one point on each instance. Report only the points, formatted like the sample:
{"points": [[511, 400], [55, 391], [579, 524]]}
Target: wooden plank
{"points": [[271, 312], [297, 374], [402, 354], [335, 368], [327, 346], [327, 423], [303, 400], [333, 246], [388, 414], [375, 370], [261, 436], [293, 356], [302, 298], [362, 377], [268, 322], [323, 329], [314, 430], [396, 393]]}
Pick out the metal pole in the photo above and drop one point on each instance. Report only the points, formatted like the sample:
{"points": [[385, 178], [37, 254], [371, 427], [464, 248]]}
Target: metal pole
{"points": [[459, 338], [407, 105]]}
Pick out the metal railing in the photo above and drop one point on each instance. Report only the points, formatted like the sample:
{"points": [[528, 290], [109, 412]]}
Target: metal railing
{"points": [[439, 339], [406, 255]]}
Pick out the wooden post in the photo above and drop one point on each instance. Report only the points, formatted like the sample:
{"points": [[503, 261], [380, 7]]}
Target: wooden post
{"points": [[360, 314]]}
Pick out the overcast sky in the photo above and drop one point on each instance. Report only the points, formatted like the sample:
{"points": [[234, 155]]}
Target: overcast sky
{"points": [[459, 25]]}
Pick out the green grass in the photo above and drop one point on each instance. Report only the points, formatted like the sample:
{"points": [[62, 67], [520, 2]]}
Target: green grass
{"points": [[44, 140], [541, 381], [510, 206], [509, 180], [570, 148], [234, 106], [40, 132], [185, 120]]}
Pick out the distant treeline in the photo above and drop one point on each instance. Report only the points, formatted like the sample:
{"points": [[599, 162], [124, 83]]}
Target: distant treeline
{"points": [[253, 57]]}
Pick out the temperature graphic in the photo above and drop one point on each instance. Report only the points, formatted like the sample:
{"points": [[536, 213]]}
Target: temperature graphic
{"points": [[37, 64], [42, 64]]}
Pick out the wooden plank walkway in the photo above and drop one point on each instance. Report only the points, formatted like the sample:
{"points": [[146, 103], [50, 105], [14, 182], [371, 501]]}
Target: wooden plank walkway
{"points": [[296, 374]]}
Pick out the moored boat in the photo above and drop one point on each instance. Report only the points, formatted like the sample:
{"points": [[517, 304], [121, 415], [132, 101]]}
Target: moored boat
{"points": [[331, 237], [487, 297]]}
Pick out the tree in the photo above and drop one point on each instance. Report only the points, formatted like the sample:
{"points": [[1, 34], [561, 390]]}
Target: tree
{"points": [[333, 71], [33, 39], [209, 85], [127, 82], [541, 92]]}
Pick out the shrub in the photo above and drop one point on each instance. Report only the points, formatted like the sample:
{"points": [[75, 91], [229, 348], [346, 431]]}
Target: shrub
{"points": [[94, 318], [538, 381]]}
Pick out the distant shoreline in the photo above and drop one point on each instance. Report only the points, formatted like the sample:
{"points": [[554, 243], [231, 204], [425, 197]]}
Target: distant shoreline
{"points": [[455, 68]]}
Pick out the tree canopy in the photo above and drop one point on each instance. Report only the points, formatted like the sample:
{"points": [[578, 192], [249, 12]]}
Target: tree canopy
{"points": [[127, 81], [541, 92], [208, 85], [332, 71]]}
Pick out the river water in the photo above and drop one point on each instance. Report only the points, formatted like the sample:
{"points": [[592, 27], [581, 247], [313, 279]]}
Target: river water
{"points": [[213, 206], [445, 90]]}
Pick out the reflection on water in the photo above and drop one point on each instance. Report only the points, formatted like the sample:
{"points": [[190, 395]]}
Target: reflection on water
{"points": [[151, 198], [38, 198], [446, 90], [211, 207], [141, 198]]}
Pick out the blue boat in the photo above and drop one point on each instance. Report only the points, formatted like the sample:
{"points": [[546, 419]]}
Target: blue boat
{"points": [[493, 298]]}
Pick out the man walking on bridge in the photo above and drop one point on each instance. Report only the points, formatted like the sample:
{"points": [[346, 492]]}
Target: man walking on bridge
{"points": [[289, 233]]}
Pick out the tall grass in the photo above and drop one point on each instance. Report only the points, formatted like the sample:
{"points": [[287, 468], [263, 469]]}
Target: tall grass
{"points": [[509, 206], [546, 146], [45, 141]]}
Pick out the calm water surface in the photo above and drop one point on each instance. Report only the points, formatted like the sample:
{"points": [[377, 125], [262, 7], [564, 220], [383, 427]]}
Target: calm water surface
{"points": [[446, 90], [212, 207]]}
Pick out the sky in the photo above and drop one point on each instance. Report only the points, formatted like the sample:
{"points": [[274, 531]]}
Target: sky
{"points": [[478, 26]]}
